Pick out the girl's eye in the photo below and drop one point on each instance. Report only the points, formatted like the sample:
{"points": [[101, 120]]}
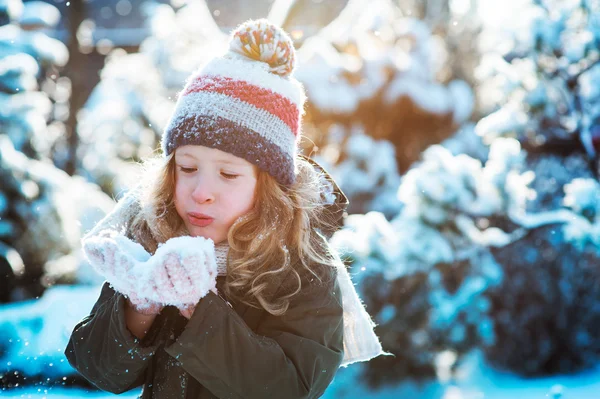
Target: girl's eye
{"points": [[228, 176], [187, 170]]}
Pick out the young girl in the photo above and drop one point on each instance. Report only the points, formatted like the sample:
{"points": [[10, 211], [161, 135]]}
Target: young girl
{"points": [[220, 281]]}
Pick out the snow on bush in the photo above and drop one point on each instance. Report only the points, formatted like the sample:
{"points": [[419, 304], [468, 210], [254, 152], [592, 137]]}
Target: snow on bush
{"points": [[424, 274], [544, 83], [380, 74], [42, 209], [546, 312], [364, 168], [43, 214], [33, 98], [583, 197]]}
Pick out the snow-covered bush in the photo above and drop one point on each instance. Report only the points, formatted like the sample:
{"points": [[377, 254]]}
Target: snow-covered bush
{"points": [[424, 274], [33, 98], [546, 312], [544, 84], [364, 168], [583, 197], [381, 74], [43, 213], [465, 141], [42, 209], [10, 10]]}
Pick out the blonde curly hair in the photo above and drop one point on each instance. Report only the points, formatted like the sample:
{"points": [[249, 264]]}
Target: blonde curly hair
{"points": [[273, 248]]}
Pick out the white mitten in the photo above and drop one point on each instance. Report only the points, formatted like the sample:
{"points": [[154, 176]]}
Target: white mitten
{"points": [[184, 270], [119, 260]]}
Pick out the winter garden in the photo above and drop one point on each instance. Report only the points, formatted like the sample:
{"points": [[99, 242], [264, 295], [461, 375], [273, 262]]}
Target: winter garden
{"points": [[464, 132]]}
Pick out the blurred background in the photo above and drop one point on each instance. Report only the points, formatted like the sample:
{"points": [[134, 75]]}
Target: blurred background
{"points": [[465, 133]]}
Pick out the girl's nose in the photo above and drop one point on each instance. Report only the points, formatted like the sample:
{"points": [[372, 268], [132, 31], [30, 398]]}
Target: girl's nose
{"points": [[203, 193]]}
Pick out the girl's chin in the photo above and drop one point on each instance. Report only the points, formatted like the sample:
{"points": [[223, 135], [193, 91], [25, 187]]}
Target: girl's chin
{"points": [[207, 236]]}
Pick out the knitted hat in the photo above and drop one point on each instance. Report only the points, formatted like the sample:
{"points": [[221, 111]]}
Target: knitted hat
{"points": [[245, 102]]}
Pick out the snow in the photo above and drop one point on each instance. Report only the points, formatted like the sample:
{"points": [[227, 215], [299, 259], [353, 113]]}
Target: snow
{"points": [[22, 103], [368, 176], [13, 8], [113, 126], [463, 99], [466, 141], [319, 69], [462, 182], [39, 13], [589, 83], [47, 50], [495, 14], [505, 121], [136, 271], [37, 336], [18, 72], [441, 241], [430, 96], [581, 195], [54, 206], [476, 380], [495, 384], [338, 82]]}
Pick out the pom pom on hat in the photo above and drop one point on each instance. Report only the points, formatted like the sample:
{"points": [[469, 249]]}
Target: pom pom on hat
{"points": [[260, 40]]}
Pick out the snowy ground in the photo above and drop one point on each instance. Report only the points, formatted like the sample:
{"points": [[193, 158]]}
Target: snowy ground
{"points": [[56, 393], [480, 382]]}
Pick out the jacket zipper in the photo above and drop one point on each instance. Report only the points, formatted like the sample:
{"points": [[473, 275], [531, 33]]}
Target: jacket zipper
{"points": [[223, 298]]}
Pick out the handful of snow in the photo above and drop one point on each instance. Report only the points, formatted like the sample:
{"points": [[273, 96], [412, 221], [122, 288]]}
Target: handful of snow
{"points": [[181, 272]]}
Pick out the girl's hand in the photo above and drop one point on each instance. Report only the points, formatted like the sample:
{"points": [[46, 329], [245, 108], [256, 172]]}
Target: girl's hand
{"points": [[184, 270], [116, 258], [180, 273], [110, 261]]}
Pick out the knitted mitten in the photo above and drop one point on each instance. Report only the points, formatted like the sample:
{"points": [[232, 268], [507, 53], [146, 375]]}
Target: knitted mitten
{"points": [[184, 270], [116, 258]]}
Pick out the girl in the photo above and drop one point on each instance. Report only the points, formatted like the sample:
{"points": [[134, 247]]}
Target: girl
{"points": [[220, 281]]}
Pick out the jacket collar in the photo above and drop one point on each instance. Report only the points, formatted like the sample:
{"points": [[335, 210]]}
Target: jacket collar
{"points": [[336, 202]]}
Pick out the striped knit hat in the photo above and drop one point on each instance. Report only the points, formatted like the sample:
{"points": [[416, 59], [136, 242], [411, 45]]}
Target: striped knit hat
{"points": [[245, 102]]}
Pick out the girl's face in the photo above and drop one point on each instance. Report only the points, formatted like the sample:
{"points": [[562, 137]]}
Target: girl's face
{"points": [[212, 190]]}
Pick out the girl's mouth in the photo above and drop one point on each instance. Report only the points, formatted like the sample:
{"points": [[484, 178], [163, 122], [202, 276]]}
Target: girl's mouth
{"points": [[200, 220]]}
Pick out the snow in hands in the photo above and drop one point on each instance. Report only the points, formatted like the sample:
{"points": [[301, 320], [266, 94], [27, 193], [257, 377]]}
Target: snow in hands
{"points": [[181, 272]]}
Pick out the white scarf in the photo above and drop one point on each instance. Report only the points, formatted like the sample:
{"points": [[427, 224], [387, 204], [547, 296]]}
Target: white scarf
{"points": [[360, 341]]}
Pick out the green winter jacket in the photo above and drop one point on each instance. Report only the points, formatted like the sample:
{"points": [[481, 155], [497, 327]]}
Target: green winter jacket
{"points": [[225, 350]]}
